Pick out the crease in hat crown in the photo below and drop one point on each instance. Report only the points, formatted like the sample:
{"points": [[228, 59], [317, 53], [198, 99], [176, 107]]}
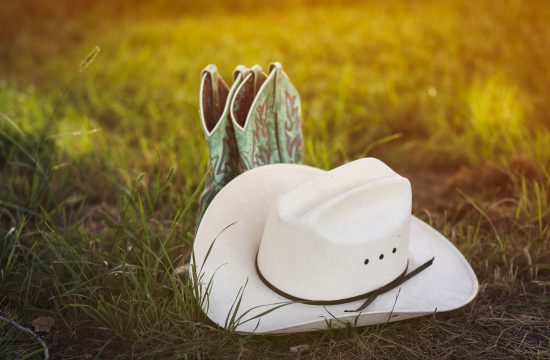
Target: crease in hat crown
{"points": [[339, 235]]}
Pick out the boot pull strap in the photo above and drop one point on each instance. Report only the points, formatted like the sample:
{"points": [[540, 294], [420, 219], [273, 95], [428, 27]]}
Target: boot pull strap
{"points": [[240, 70], [256, 71], [278, 69], [212, 71]]}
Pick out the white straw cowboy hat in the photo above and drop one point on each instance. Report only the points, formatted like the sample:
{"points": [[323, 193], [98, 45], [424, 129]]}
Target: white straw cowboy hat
{"points": [[290, 248]]}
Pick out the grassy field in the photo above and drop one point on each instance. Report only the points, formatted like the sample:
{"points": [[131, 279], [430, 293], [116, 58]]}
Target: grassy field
{"points": [[102, 158]]}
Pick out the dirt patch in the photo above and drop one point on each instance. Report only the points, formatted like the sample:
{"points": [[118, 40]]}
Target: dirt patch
{"points": [[454, 190]]}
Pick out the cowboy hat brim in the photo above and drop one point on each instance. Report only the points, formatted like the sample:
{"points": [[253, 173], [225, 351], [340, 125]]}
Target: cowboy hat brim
{"points": [[234, 297]]}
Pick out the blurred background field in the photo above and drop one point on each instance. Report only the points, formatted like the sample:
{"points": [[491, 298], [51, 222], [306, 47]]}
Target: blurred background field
{"points": [[100, 166]]}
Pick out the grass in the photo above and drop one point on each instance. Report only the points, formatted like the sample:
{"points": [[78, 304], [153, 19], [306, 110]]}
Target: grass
{"points": [[100, 177]]}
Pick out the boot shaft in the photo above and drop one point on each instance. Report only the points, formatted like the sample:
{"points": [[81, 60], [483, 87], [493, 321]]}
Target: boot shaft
{"points": [[215, 97], [266, 117]]}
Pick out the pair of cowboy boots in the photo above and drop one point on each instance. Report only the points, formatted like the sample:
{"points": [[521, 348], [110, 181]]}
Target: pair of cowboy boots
{"points": [[255, 122]]}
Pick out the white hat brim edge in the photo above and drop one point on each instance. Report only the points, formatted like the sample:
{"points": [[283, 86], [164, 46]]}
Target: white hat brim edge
{"points": [[245, 201]]}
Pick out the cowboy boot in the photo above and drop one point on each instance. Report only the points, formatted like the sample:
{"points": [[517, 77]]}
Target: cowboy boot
{"points": [[215, 98], [266, 118]]}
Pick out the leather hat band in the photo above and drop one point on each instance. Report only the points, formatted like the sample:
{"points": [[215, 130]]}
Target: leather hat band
{"points": [[369, 296]]}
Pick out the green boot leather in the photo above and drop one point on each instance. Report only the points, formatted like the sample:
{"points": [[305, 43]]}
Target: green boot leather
{"points": [[215, 97], [266, 117]]}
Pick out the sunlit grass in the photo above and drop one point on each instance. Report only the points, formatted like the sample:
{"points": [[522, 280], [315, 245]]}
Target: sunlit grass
{"points": [[408, 69], [498, 114]]}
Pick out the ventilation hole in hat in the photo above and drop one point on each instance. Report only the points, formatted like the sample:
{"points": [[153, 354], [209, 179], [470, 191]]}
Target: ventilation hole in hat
{"points": [[394, 250], [366, 261], [381, 256]]}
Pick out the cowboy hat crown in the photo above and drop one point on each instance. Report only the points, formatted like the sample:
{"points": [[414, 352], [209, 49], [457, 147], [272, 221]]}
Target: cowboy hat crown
{"points": [[352, 222]]}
